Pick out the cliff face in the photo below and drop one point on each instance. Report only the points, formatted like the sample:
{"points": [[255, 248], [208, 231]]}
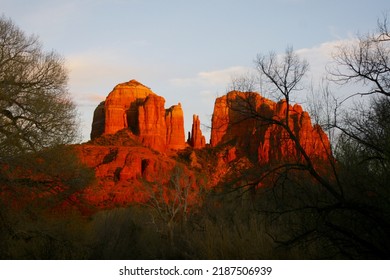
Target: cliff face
{"points": [[136, 107], [250, 121]]}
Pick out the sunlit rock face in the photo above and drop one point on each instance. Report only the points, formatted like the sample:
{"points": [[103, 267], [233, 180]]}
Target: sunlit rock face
{"points": [[121, 106], [151, 122], [132, 124], [174, 120], [133, 106], [121, 173], [238, 117], [138, 147]]}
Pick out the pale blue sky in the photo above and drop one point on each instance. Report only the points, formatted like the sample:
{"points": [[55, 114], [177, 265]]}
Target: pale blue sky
{"points": [[186, 51]]}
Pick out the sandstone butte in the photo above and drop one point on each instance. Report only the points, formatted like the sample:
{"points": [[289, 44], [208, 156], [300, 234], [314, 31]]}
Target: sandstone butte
{"points": [[259, 137], [133, 106], [137, 146]]}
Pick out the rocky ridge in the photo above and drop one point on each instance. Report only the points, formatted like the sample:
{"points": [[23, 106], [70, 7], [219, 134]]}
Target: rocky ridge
{"points": [[137, 145]]}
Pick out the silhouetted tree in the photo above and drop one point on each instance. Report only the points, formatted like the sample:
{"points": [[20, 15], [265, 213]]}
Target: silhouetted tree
{"points": [[37, 119], [36, 110]]}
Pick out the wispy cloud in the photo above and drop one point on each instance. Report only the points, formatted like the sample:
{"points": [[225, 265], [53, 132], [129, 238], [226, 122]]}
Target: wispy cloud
{"points": [[213, 78], [92, 75], [318, 57], [95, 72], [321, 57], [92, 66]]}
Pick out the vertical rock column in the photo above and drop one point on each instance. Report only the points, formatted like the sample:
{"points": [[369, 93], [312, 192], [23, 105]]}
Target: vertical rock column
{"points": [[151, 121], [197, 140], [174, 120]]}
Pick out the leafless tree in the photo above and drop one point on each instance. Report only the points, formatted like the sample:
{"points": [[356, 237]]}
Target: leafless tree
{"points": [[367, 62], [37, 119], [284, 76], [170, 202], [36, 110], [324, 108], [330, 208], [248, 82]]}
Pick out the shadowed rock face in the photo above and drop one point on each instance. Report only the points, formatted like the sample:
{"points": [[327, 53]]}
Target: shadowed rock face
{"points": [[136, 107], [260, 140], [98, 123]]}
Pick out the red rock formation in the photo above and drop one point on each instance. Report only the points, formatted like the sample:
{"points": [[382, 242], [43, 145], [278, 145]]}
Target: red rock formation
{"points": [[123, 161], [132, 122], [133, 105], [261, 140], [196, 139], [130, 174], [119, 170], [174, 120]]}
